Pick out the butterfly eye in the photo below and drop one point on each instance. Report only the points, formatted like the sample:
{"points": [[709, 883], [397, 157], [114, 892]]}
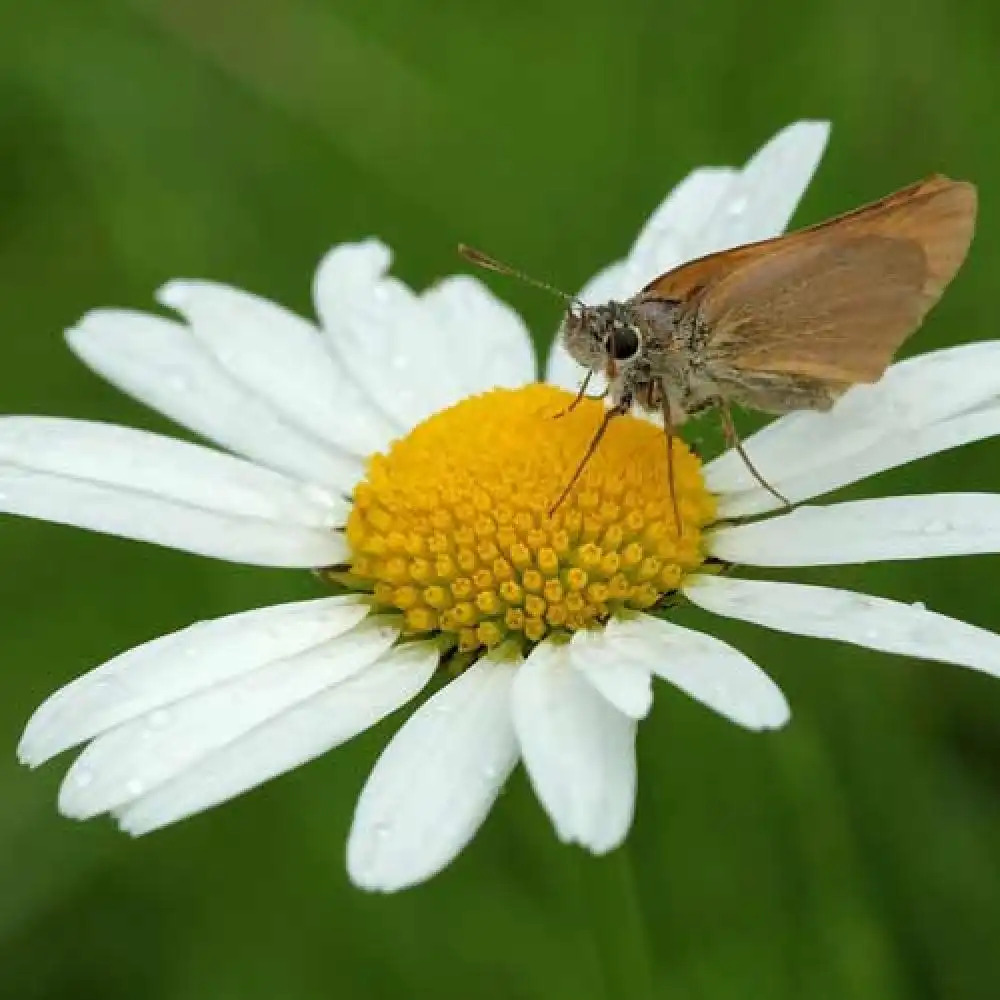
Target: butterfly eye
{"points": [[622, 344]]}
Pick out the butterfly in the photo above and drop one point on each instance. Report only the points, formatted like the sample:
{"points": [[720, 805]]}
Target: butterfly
{"points": [[783, 324]]}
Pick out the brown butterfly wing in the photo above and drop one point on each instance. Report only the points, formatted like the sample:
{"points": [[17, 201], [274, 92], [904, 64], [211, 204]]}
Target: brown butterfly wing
{"points": [[833, 302], [690, 280]]}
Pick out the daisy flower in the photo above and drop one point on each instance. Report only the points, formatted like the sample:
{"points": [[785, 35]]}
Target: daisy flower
{"points": [[403, 450]]}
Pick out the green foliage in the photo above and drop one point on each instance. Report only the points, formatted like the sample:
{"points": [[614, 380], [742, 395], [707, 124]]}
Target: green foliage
{"points": [[853, 855]]}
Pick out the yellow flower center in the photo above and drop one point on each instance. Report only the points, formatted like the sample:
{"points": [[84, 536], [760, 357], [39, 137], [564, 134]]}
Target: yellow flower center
{"points": [[452, 526]]}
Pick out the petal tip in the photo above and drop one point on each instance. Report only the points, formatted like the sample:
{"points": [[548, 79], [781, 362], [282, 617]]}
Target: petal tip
{"points": [[133, 829], [175, 294], [777, 718], [816, 129], [36, 746]]}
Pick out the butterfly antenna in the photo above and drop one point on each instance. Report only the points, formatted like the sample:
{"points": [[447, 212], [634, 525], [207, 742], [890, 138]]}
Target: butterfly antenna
{"points": [[480, 259]]}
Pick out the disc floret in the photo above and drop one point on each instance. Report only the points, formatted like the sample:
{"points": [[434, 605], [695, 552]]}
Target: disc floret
{"points": [[452, 527]]}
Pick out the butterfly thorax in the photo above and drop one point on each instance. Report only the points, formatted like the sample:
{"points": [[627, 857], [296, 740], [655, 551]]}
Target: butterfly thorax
{"points": [[648, 349]]}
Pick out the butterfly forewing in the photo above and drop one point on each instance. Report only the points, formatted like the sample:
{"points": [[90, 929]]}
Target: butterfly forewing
{"points": [[834, 301]]}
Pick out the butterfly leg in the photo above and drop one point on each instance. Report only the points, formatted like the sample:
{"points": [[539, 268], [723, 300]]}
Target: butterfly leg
{"points": [[734, 441], [668, 429], [618, 410], [581, 396]]}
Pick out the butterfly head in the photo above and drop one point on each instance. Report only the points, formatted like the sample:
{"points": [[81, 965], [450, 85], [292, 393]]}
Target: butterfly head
{"points": [[607, 338]]}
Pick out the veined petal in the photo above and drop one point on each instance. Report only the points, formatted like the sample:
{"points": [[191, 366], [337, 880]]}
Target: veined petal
{"points": [[912, 396], [128, 761], [625, 681], [300, 734], [703, 667], [578, 750], [151, 488], [416, 355], [282, 359], [161, 364], [914, 527], [178, 665], [435, 782], [826, 613], [888, 453]]}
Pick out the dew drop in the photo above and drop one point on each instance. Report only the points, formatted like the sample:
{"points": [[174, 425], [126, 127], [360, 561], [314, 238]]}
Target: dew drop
{"points": [[178, 383], [739, 205], [83, 778], [381, 293], [382, 830], [134, 786]]}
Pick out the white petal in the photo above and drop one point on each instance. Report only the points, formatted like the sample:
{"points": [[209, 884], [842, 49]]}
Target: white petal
{"points": [[578, 750], [911, 396], [137, 756], [622, 679], [490, 346], [435, 782], [160, 363], [416, 355], [825, 613], [298, 735], [707, 669], [671, 236], [762, 199], [887, 454], [183, 663], [282, 359], [675, 232], [918, 527], [141, 485]]}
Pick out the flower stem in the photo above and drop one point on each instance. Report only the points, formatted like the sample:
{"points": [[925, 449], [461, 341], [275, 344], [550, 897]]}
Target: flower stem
{"points": [[611, 900]]}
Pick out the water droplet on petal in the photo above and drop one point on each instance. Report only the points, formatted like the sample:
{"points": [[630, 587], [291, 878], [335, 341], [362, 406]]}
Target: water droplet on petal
{"points": [[382, 830], [178, 383], [83, 778], [739, 205], [135, 786]]}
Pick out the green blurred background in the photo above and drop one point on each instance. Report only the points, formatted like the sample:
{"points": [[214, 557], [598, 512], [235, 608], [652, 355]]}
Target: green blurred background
{"points": [[854, 855]]}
